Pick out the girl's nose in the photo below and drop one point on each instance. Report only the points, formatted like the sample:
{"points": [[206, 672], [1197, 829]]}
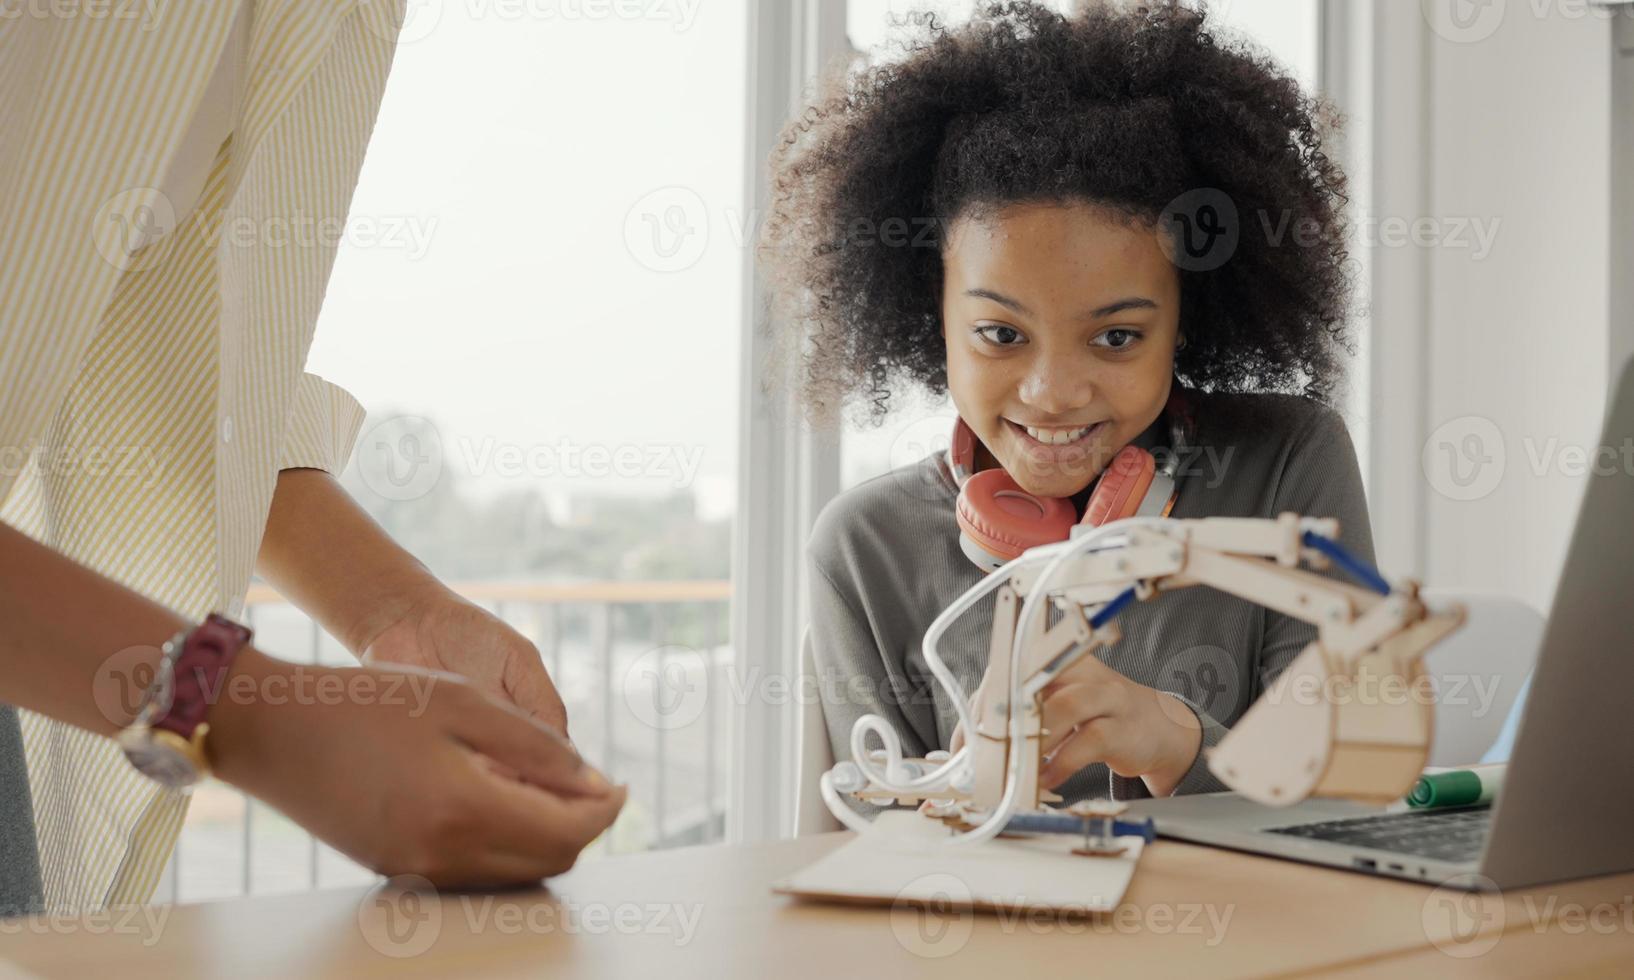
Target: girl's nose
{"points": [[1057, 387]]}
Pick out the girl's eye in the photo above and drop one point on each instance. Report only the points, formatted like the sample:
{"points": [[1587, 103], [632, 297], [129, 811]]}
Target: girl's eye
{"points": [[1118, 338], [1000, 335]]}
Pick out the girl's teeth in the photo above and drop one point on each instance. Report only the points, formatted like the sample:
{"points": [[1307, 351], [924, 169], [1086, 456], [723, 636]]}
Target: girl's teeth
{"points": [[1058, 437]]}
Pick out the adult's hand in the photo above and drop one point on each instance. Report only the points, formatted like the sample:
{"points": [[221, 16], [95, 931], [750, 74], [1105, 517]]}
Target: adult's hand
{"points": [[326, 555], [447, 633], [409, 772]]}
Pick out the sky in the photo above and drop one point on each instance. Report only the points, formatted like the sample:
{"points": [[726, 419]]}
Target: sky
{"points": [[545, 250]]}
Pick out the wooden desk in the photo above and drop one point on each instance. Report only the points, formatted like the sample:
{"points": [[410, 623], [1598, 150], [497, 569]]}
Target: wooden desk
{"points": [[708, 912]]}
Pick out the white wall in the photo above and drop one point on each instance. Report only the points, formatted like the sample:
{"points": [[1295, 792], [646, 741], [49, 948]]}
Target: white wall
{"points": [[1486, 367]]}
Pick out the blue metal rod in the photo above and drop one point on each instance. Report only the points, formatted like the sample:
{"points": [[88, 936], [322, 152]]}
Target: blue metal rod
{"points": [[1357, 569], [1112, 608]]}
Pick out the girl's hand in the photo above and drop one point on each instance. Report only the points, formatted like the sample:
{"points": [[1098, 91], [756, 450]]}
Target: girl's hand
{"points": [[408, 772], [1092, 713], [444, 632]]}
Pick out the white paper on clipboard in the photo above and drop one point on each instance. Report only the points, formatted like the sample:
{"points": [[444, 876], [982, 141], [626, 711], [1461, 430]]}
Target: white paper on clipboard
{"points": [[905, 858]]}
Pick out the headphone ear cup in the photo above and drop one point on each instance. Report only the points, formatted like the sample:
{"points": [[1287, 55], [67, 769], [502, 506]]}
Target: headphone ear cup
{"points": [[1122, 487], [1002, 520]]}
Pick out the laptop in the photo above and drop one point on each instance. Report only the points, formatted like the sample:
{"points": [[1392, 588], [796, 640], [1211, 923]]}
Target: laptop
{"points": [[1563, 811]]}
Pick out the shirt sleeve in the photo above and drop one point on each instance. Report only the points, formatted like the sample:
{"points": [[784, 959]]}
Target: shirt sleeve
{"points": [[1320, 478], [324, 420]]}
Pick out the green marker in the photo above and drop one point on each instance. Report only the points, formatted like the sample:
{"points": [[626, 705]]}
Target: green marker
{"points": [[1457, 787]]}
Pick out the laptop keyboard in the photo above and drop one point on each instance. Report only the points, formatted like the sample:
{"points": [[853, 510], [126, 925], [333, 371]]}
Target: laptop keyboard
{"points": [[1446, 835]]}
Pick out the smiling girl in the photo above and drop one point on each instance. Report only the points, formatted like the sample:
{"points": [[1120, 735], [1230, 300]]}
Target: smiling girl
{"points": [[1081, 229]]}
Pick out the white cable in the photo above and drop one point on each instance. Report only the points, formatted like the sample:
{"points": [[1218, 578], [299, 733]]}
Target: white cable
{"points": [[891, 778], [842, 812], [1038, 595], [938, 777]]}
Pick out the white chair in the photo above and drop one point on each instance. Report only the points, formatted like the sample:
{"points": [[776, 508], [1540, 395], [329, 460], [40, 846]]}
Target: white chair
{"points": [[811, 814], [1478, 672]]}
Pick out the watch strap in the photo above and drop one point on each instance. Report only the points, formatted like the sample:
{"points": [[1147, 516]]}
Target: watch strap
{"points": [[200, 670]]}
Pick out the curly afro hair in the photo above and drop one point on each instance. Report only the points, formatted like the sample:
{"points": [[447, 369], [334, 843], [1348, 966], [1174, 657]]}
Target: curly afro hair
{"points": [[1126, 108]]}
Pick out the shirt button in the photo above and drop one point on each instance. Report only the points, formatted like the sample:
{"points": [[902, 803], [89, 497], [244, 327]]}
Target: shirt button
{"points": [[226, 428]]}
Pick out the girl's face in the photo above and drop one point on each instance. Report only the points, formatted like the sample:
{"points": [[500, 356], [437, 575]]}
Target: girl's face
{"points": [[1061, 322]]}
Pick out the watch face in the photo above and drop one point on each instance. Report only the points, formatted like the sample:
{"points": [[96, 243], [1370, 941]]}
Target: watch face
{"points": [[159, 755]]}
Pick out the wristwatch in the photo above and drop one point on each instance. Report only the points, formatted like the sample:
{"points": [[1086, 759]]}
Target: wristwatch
{"points": [[166, 741]]}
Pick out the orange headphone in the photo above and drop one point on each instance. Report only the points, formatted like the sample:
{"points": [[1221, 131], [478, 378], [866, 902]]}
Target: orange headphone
{"points": [[998, 520]]}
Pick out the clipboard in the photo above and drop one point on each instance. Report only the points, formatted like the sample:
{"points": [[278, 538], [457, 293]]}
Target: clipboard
{"points": [[905, 859]]}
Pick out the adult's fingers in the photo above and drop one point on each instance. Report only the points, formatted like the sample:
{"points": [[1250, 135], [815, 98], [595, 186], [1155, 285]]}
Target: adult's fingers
{"points": [[530, 687], [525, 745], [538, 827]]}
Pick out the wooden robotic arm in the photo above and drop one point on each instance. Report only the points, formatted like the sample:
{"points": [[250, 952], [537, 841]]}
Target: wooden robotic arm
{"points": [[1350, 717]]}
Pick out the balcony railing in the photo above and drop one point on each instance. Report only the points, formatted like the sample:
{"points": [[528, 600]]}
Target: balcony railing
{"points": [[611, 648]]}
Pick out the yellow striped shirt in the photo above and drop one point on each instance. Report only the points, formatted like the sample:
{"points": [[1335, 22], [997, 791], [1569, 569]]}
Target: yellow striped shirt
{"points": [[151, 389]]}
